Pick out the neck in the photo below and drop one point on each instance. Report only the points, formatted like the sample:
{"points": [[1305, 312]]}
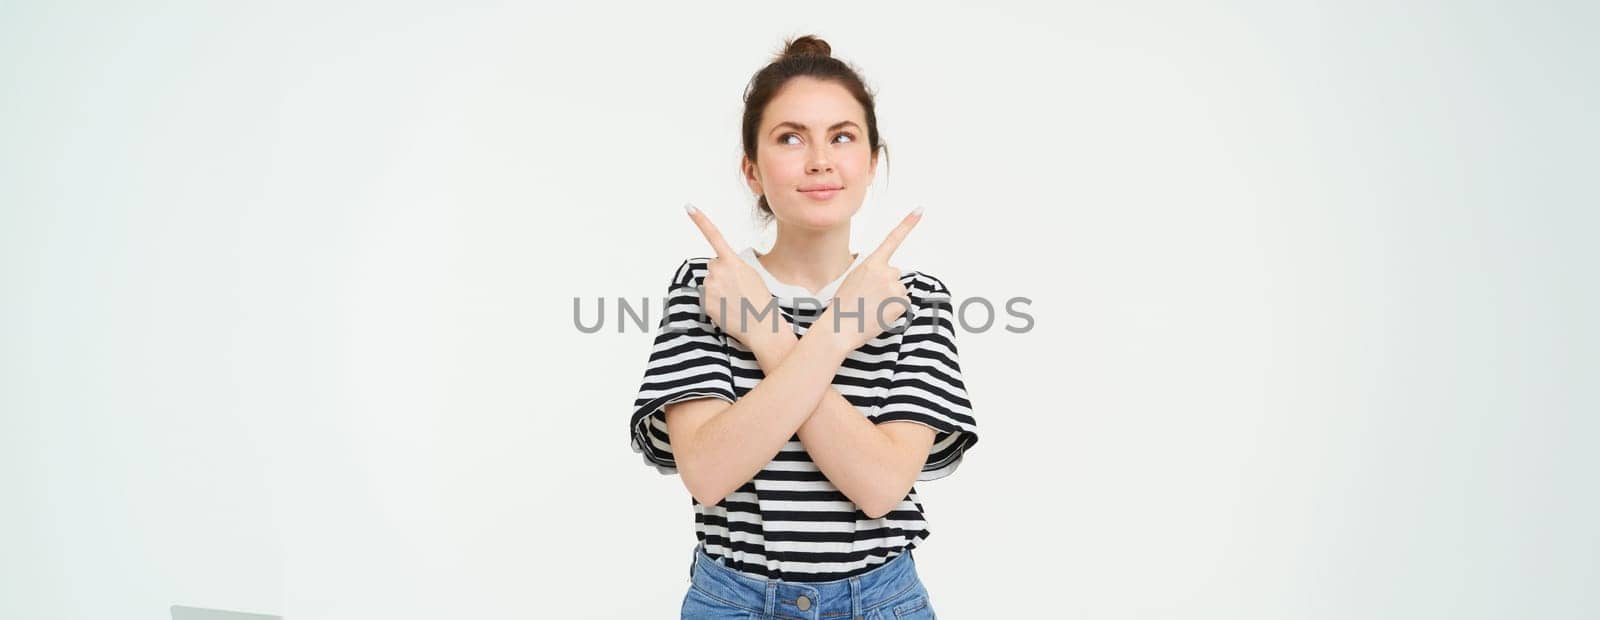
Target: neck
{"points": [[809, 258]]}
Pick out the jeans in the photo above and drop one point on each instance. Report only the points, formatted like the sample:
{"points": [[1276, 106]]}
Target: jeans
{"points": [[890, 591]]}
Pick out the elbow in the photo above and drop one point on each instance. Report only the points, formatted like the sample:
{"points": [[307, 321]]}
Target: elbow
{"points": [[878, 509], [885, 502], [703, 491], [705, 495]]}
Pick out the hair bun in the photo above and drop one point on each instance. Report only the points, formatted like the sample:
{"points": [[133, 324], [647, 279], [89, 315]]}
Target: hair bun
{"points": [[808, 44]]}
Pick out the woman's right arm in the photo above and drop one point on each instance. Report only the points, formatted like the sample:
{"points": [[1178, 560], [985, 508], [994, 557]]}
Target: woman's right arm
{"points": [[719, 446]]}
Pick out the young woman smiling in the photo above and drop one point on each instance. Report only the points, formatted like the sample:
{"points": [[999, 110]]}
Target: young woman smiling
{"points": [[800, 433]]}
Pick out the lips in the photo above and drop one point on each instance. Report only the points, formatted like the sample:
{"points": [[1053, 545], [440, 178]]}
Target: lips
{"points": [[821, 192]]}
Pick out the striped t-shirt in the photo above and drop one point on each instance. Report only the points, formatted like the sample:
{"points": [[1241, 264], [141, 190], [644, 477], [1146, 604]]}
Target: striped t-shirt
{"points": [[790, 522]]}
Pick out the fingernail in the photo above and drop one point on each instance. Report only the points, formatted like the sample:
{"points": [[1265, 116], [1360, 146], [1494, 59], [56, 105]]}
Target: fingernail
{"points": [[917, 211], [688, 208]]}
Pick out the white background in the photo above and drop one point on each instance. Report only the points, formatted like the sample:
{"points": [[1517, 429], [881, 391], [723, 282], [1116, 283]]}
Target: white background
{"points": [[287, 319]]}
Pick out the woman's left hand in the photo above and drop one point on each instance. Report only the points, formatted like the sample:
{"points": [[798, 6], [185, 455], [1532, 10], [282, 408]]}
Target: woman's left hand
{"points": [[872, 293]]}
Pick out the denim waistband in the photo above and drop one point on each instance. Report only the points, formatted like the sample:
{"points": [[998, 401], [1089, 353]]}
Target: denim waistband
{"points": [[848, 597]]}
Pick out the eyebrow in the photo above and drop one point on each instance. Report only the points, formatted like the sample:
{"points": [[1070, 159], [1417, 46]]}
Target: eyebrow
{"points": [[803, 127]]}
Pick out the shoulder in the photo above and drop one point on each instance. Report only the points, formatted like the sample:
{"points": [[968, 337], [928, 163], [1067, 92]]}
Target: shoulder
{"points": [[924, 287], [690, 272]]}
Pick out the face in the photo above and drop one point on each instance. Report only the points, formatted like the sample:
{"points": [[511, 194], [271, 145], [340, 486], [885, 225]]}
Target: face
{"points": [[813, 162]]}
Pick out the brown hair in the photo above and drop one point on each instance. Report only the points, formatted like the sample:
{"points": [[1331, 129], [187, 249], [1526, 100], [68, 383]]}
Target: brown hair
{"points": [[807, 56]]}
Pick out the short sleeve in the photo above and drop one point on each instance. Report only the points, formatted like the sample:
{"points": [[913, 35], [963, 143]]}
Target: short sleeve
{"points": [[689, 359], [927, 387]]}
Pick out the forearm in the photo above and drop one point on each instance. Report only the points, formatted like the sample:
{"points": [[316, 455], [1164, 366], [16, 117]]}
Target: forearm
{"points": [[731, 447], [850, 450], [855, 454]]}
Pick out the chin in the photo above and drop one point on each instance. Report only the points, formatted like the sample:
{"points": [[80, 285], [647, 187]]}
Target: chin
{"points": [[817, 216]]}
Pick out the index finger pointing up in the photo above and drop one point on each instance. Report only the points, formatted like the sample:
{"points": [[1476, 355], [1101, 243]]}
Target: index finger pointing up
{"points": [[897, 236], [710, 231]]}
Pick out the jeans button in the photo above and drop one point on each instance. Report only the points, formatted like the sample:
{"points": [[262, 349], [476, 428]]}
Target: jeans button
{"points": [[803, 603]]}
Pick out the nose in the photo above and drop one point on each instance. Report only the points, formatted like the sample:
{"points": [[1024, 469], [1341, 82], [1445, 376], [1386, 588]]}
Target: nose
{"points": [[818, 161]]}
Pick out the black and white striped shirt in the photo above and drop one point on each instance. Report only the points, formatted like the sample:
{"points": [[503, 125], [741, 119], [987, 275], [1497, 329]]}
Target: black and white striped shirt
{"points": [[790, 522]]}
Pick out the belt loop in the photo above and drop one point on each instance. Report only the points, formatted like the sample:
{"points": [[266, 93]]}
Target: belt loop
{"points": [[856, 612], [771, 607]]}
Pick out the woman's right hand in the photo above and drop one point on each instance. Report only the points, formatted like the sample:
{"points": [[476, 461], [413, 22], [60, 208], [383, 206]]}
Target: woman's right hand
{"points": [[729, 284], [871, 296]]}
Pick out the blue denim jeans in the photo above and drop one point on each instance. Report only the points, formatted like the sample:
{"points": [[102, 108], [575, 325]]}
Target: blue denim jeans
{"points": [[890, 591]]}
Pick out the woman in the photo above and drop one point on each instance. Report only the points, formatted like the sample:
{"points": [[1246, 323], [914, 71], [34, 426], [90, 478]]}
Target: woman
{"points": [[802, 392]]}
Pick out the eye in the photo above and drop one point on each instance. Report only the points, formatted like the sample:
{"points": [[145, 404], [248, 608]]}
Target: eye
{"points": [[783, 139], [846, 134]]}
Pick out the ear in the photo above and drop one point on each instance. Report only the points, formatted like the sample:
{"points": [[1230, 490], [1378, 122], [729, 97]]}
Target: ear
{"points": [[752, 175]]}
